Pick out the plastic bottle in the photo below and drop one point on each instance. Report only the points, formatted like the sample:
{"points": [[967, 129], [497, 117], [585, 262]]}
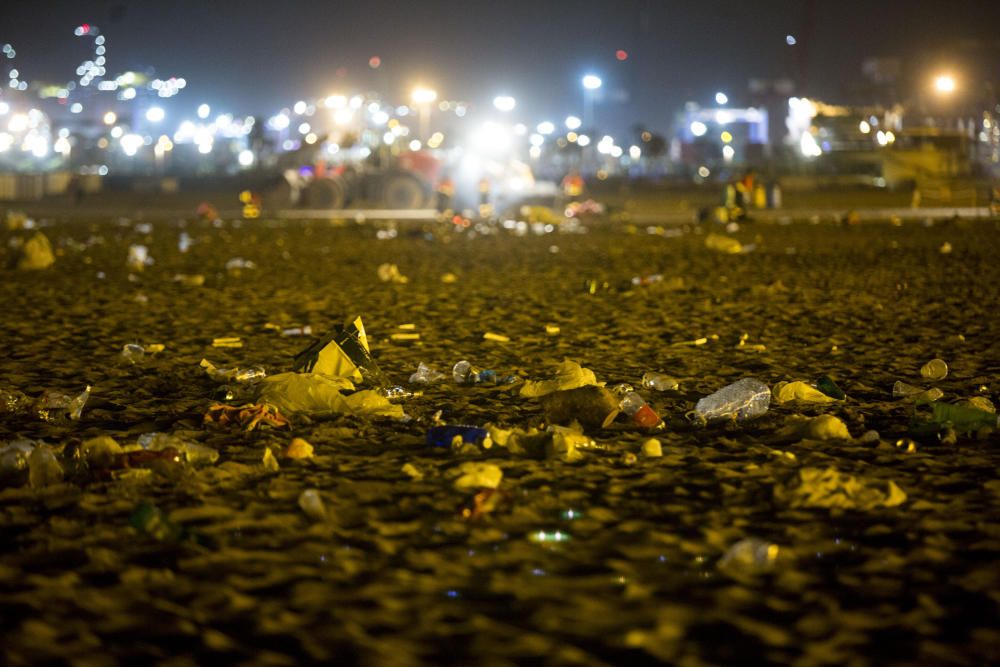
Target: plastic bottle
{"points": [[659, 382], [639, 411], [745, 399], [132, 353], [443, 436], [426, 375]]}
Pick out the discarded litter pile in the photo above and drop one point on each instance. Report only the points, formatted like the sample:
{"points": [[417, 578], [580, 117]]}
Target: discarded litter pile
{"points": [[776, 442]]}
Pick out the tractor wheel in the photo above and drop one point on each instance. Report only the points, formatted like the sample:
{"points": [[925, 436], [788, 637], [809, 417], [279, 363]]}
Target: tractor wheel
{"points": [[324, 193], [402, 191]]}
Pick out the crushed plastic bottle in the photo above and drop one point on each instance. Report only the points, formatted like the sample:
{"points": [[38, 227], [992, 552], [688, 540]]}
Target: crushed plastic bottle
{"points": [[746, 399], [239, 264], [238, 375], [934, 370], [53, 405], [132, 353], [637, 409], [466, 373], [426, 375], [750, 555], [444, 436], [660, 382], [397, 392], [194, 453], [311, 503]]}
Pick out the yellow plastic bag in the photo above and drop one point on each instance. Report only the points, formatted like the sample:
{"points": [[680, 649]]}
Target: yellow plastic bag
{"points": [[342, 353], [724, 244], [321, 394], [823, 427], [36, 253], [827, 487], [783, 392], [568, 375]]}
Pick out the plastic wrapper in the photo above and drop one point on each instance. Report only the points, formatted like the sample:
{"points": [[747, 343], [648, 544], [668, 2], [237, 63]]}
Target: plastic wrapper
{"points": [[36, 253], [342, 353], [723, 244], [473, 475], [314, 393], [785, 392], [54, 405], [426, 375], [567, 375], [829, 488], [194, 453], [237, 375], [591, 406]]}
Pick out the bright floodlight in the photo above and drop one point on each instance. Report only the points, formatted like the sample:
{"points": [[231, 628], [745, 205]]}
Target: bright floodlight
{"points": [[721, 98], [245, 158], [573, 123], [155, 114], [944, 84], [110, 118], [504, 103], [592, 82], [423, 95], [204, 110], [546, 127], [698, 128]]}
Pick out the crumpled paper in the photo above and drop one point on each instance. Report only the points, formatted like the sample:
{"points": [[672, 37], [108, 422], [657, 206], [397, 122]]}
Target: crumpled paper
{"points": [[823, 427], [568, 375], [36, 253], [827, 487]]}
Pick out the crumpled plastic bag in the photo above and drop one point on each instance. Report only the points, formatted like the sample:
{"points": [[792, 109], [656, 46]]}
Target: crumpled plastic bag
{"points": [[827, 487], [473, 476], [724, 244], [784, 392], [342, 353], [316, 393], [559, 443], [36, 253], [568, 375], [823, 427]]}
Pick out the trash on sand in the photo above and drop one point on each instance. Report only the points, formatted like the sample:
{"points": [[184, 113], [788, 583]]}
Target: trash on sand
{"points": [[342, 353], [138, 257], [551, 330], [297, 331], [485, 502], [934, 370], [311, 503], [14, 462], [43, 467], [635, 406], [237, 264], [248, 416], [591, 406], [189, 280], [314, 393], [148, 519], [449, 435], [963, 419], [660, 382], [495, 337], [827, 487], [746, 399], [567, 375], [389, 273], [826, 385], [473, 475], [299, 449], [100, 452], [652, 448], [916, 394], [405, 337], [750, 555], [53, 405], [240, 375], [823, 427], [425, 375], [785, 392], [466, 373], [554, 443], [227, 341], [724, 244], [194, 453], [36, 253], [268, 461]]}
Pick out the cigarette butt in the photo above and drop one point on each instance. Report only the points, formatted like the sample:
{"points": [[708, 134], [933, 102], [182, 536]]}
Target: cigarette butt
{"points": [[499, 338]]}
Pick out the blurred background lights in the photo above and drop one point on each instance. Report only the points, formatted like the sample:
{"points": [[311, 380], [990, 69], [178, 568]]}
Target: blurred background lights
{"points": [[592, 82], [944, 84], [504, 103], [573, 122], [155, 114], [203, 111], [546, 127], [721, 98], [698, 128]]}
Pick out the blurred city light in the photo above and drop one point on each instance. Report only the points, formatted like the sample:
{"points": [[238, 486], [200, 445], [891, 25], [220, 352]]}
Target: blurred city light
{"points": [[945, 84], [110, 118], [592, 82], [573, 123], [155, 114], [422, 95], [546, 127], [698, 128], [790, 40], [504, 103], [721, 98], [204, 110]]}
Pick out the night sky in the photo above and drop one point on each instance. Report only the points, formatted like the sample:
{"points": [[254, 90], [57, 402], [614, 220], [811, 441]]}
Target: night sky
{"points": [[253, 56]]}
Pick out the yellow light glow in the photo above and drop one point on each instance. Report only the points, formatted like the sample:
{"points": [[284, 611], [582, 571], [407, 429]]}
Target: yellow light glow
{"points": [[864, 127], [421, 95], [572, 137], [726, 137], [110, 118], [945, 84]]}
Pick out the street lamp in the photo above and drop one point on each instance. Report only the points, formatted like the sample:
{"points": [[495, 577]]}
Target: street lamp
{"points": [[591, 82], [423, 97], [721, 98]]}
